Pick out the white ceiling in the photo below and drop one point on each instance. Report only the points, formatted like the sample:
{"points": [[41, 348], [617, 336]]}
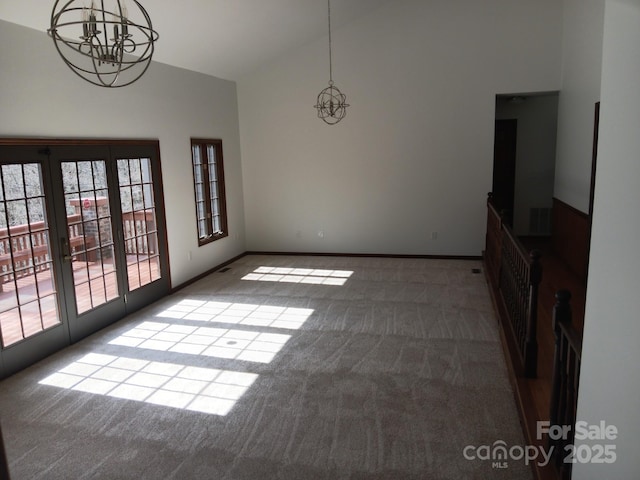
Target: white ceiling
{"points": [[223, 38]]}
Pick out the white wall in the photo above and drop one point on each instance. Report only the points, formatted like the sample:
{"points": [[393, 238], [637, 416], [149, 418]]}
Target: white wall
{"points": [[414, 154], [535, 153], [581, 68], [609, 381], [41, 97]]}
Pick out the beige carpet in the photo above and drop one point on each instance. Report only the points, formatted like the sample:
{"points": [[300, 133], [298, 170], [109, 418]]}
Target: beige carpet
{"points": [[282, 367]]}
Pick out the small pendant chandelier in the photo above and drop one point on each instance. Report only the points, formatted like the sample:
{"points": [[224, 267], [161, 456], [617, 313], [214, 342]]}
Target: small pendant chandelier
{"points": [[331, 103], [105, 46]]}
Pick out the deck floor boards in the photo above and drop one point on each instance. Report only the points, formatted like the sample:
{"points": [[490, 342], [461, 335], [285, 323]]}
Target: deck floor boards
{"points": [[35, 317]]}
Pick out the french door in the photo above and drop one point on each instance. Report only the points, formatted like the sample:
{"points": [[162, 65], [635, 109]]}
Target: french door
{"points": [[82, 242]]}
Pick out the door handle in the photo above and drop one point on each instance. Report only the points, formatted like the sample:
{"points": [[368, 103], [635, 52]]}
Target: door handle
{"points": [[66, 250]]}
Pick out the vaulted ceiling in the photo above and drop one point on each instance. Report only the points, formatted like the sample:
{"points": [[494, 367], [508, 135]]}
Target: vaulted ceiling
{"points": [[223, 38]]}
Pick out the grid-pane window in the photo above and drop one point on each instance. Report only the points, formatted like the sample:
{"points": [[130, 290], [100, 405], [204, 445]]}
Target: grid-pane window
{"points": [[28, 291], [208, 177], [139, 223], [89, 222]]}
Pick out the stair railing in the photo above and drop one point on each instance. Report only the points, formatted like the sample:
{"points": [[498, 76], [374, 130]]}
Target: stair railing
{"points": [[514, 276], [566, 375]]}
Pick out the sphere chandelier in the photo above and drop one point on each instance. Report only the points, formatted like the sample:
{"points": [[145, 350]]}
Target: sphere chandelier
{"points": [[108, 46], [331, 102]]}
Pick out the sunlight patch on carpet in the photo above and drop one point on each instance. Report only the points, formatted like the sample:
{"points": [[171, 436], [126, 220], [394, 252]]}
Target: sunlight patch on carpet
{"points": [[209, 342], [299, 275], [238, 313], [205, 390]]}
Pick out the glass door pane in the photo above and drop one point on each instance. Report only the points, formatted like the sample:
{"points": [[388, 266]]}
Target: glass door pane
{"points": [[82, 242], [139, 223], [28, 294], [90, 243]]}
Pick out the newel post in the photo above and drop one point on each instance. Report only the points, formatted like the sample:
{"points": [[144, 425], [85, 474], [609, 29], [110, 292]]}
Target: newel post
{"points": [[531, 342], [4, 464], [561, 314], [501, 212]]}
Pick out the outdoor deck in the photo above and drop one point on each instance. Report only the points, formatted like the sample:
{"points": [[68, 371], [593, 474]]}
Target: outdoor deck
{"points": [[95, 284]]}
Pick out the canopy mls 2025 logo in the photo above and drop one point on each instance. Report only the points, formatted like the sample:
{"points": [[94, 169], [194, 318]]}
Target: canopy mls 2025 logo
{"points": [[556, 440]]}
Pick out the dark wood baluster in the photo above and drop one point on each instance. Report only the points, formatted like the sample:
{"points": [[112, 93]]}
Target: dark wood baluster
{"points": [[569, 409], [557, 411], [531, 345]]}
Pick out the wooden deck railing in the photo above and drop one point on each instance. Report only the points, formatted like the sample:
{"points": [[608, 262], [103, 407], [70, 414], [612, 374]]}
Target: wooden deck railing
{"points": [[566, 375], [24, 249], [139, 230], [514, 276]]}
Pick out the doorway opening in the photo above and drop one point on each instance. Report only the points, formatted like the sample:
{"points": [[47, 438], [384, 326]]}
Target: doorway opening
{"points": [[524, 161]]}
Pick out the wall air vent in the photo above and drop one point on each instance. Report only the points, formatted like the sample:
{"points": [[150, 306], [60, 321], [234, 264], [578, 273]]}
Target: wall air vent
{"points": [[540, 221]]}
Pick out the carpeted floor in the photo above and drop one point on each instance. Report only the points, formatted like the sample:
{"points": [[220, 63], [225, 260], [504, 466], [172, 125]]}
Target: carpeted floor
{"points": [[282, 367]]}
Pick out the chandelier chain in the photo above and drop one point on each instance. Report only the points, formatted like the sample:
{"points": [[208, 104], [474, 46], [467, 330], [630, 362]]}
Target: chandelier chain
{"points": [[330, 57], [331, 102]]}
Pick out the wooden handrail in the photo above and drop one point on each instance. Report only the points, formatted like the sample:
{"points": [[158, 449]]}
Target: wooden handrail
{"points": [[514, 276], [493, 243]]}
